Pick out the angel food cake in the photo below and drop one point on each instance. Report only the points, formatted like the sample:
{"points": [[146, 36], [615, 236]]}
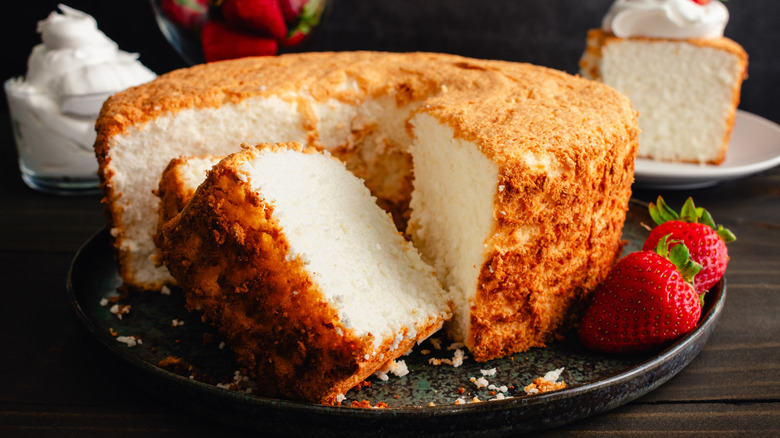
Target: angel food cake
{"points": [[312, 285], [683, 76], [512, 180]]}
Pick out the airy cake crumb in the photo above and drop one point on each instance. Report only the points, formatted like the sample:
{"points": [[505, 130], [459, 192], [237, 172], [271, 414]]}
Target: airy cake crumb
{"points": [[130, 341], [480, 383], [546, 383], [456, 361], [120, 310]]}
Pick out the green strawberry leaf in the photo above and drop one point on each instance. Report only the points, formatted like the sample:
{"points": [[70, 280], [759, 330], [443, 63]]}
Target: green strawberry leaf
{"points": [[706, 219], [725, 234], [689, 212], [680, 256], [660, 212]]}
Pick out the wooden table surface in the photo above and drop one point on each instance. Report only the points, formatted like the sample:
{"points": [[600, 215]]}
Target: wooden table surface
{"points": [[55, 380]]}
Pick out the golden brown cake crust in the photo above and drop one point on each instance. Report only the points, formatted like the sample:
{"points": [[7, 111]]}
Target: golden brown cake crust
{"points": [[229, 255]]}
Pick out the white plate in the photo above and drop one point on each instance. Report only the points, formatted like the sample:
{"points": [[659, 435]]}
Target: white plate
{"points": [[754, 147]]}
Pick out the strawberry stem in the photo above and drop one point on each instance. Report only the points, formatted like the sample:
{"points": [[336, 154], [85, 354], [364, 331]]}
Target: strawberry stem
{"points": [[660, 212]]}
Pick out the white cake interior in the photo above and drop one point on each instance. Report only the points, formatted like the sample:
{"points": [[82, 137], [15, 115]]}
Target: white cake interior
{"points": [[452, 211], [193, 174], [204, 131], [682, 91], [350, 247], [140, 156]]}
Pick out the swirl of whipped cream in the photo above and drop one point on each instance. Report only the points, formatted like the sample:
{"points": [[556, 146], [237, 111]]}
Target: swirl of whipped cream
{"points": [[75, 57], [670, 19]]}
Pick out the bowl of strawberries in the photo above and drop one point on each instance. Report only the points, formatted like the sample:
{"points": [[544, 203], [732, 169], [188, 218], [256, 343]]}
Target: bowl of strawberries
{"points": [[213, 30]]}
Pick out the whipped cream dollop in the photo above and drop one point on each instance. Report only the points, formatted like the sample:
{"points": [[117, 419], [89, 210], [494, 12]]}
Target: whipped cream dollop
{"points": [[70, 74], [671, 19]]}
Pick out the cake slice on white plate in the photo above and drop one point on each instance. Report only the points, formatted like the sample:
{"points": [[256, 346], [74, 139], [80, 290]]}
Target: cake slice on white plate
{"points": [[683, 76]]}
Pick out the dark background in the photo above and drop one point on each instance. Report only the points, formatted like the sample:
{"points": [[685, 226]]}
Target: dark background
{"points": [[544, 32]]}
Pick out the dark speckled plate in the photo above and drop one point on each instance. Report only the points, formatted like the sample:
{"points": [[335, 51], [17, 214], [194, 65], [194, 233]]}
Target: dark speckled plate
{"points": [[594, 383]]}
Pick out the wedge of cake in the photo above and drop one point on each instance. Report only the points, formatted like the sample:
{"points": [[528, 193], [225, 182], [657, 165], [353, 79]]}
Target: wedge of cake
{"points": [[287, 254], [178, 183], [671, 59]]}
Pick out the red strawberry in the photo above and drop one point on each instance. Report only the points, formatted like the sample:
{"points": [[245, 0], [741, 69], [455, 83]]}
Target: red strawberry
{"points": [[701, 2], [258, 16], [294, 40], [222, 42], [646, 301], [189, 14], [694, 227], [305, 16], [291, 9]]}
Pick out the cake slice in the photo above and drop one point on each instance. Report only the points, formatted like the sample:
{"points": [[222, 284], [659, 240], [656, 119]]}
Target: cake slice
{"points": [[178, 183], [287, 254], [686, 89]]}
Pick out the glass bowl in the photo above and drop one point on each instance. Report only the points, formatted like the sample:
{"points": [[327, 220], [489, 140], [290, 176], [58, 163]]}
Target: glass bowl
{"points": [[186, 40]]}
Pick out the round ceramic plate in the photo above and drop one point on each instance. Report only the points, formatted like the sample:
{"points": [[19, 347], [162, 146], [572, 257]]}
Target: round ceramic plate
{"points": [[182, 361], [754, 147]]}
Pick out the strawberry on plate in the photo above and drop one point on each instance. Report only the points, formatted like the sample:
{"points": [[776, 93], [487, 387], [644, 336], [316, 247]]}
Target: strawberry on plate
{"points": [[696, 228], [646, 301], [220, 42]]}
